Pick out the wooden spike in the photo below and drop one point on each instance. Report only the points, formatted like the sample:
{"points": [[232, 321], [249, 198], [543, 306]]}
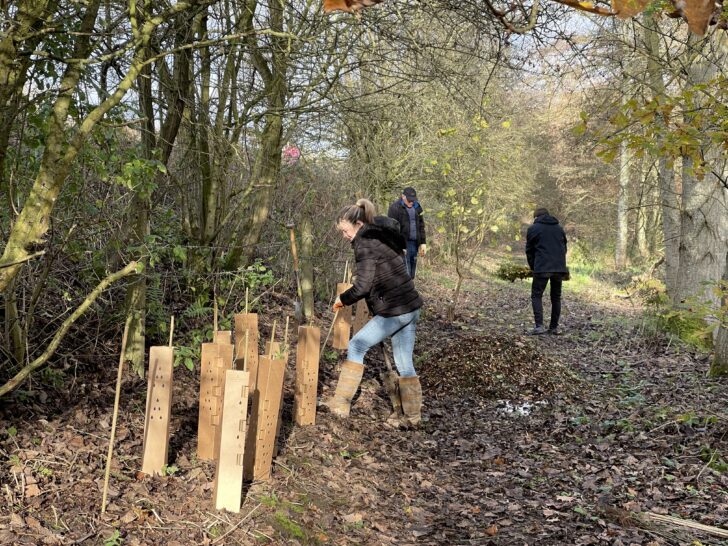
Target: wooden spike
{"points": [[214, 317], [285, 335], [346, 270], [272, 339], [246, 299], [171, 330]]}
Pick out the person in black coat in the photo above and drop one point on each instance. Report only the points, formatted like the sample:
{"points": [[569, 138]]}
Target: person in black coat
{"points": [[546, 254], [382, 280], [410, 216]]}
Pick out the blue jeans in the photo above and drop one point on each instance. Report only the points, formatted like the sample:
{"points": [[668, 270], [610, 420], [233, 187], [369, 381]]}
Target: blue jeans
{"points": [[402, 330], [410, 259]]}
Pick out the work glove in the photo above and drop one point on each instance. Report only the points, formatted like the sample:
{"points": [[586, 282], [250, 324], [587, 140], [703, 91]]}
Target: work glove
{"points": [[423, 249], [337, 305]]}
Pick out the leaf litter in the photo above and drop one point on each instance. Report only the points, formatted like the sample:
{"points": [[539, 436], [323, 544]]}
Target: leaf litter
{"points": [[619, 424]]}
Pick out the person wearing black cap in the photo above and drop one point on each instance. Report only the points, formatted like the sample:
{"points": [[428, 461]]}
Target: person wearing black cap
{"points": [[408, 212]]}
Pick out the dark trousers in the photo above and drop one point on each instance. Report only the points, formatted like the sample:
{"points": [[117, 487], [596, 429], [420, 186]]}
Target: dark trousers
{"points": [[538, 286], [410, 259]]}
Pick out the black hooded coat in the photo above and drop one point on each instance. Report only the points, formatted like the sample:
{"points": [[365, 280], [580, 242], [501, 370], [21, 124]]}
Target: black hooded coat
{"points": [[546, 246]]}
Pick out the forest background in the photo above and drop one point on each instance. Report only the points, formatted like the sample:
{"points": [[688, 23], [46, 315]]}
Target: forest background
{"points": [[153, 157]]}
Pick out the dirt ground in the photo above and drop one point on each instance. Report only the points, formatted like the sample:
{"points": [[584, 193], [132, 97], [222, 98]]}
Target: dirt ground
{"points": [[565, 439]]}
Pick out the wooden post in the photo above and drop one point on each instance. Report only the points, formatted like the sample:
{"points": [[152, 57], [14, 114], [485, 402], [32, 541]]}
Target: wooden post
{"points": [[342, 324], [230, 444], [159, 409], [307, 367]]}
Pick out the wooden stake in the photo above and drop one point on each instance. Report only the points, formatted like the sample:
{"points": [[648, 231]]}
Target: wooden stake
{"points": [[272, 339], [285, 336], [171, 330], [346, 270], [246, 300], [110, 452], [214, 318]]}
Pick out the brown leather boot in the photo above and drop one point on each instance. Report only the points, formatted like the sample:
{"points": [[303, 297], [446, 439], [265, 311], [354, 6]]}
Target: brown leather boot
{"points": [[349, 378], [410, 391]]}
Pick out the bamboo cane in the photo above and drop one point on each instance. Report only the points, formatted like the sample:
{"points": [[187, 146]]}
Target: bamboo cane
{"points": [[171, 330], [110, 452]]}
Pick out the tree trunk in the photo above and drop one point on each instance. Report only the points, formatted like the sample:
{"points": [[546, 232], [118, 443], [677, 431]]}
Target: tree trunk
{"points": [[31, 225], [719, 366], [14, 331], [669, 197], [307, 267], [625, 160], [268, 160], [703, 218]]}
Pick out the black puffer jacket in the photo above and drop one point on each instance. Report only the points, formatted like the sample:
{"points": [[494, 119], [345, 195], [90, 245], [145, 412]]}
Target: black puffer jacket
{"points": [[398, 211], [381, 275], [546, 246]]}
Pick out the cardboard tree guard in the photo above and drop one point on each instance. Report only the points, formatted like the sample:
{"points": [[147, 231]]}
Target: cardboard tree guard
{"points": [[307, 368], [216, 358], [263, 424], [158, 410], [342, 325], [230, 442]]}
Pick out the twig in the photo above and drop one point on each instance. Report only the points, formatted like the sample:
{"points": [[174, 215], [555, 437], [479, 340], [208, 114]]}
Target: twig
{"points": [[63, 330], [330, 330], [238, 524], [717, 531], [110, 452], [171, 330]]}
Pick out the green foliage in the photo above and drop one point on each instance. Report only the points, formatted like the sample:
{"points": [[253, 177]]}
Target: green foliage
{"points": [[287, 527], [510, 271], [169, 470], [660, 127], [713, 459], [693, 322], [115, 539], [138, 175], [52, 377], [187, 356]]}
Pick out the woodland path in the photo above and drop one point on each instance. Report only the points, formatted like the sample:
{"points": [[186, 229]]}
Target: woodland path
{"points": [[620, 423]]}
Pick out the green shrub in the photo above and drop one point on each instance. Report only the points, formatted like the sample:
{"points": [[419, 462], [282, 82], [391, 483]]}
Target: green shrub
{"points": [[510, 271]]}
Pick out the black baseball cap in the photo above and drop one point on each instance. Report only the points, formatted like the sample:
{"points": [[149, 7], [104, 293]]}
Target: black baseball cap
{"points": [[410, 194]]}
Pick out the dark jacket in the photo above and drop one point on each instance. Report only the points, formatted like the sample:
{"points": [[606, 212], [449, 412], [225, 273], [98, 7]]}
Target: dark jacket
{"points": [[546, 246], [381, 275], [398, 211]]}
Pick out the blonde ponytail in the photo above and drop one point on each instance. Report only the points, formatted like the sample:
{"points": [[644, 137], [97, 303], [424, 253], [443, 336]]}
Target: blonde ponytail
{"points": [[362, 211]]}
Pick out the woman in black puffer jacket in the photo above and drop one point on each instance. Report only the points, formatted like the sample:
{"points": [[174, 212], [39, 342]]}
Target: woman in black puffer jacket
{"points": [[381, 279]]}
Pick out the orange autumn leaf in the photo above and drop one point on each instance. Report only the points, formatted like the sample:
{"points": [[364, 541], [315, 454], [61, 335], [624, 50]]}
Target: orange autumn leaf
{"points": [[629, 8], [698, 14]]}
